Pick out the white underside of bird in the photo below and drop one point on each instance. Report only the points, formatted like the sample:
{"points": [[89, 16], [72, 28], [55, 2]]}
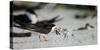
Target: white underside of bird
{"points": [[33, 17]]}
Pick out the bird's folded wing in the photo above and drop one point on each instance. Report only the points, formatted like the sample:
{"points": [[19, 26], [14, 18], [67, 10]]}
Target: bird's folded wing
{"points": [[55, 19]]}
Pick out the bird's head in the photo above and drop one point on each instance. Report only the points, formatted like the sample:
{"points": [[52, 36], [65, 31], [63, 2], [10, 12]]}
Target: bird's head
{"points": [[87, 24], [53, 28]]}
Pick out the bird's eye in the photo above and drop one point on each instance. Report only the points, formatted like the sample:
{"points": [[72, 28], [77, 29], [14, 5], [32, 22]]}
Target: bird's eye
{"points": [[49, 25]]}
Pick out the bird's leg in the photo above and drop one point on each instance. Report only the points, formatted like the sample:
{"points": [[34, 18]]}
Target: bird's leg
{"points": [[43, 37], [40, 38]]}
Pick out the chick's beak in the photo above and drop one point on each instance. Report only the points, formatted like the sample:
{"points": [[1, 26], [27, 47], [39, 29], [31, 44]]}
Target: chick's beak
{"points": [[56, 29]]}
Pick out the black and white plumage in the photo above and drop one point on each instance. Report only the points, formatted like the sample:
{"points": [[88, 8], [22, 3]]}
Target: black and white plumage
{"points": [[24, 21], [28, 19], [42, 27]]}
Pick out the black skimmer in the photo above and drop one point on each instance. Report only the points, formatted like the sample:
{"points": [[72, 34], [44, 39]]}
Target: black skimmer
{"points": [[87, 27], [42, 27], [28, 19]]}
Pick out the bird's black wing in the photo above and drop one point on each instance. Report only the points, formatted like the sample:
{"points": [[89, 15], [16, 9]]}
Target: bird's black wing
{"points": [[55, 19]]}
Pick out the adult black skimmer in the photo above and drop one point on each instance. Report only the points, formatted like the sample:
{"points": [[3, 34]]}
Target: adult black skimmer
{"points": [[28, 19], [42, 27]]}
